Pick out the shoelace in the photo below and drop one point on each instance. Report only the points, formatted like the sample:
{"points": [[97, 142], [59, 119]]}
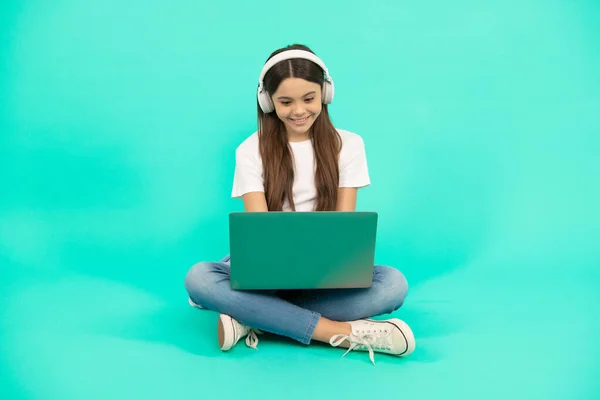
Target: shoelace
{"points": [[369, 341], [251, 338]]}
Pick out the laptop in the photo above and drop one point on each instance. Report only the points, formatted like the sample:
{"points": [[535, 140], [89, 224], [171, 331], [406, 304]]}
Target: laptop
{"points": [[302, 250]]}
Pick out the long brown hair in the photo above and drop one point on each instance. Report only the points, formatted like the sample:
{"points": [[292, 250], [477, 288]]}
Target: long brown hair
{"points": [[275, 151]]}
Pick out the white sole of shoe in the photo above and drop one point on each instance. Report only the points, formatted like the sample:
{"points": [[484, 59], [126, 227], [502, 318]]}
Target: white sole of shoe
{"points": [[225, 330], [407, 333], [194, 304]]}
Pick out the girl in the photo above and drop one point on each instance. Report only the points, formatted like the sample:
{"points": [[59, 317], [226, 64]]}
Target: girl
{"points": [[298, 161]]}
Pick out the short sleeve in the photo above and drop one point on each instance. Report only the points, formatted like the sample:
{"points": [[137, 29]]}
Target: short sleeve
{"points": [[248, 176], [354, 171]]}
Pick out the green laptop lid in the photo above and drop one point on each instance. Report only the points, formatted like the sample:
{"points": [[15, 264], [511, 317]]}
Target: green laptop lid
{"points": [[302, 250]]}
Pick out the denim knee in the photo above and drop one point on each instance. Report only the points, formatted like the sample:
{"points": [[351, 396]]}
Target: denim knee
{"points": [[400, 287], [394, 288], [199, 282]]}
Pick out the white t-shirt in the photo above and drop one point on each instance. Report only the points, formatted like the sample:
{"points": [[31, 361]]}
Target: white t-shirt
{"points": [[248, 175]]}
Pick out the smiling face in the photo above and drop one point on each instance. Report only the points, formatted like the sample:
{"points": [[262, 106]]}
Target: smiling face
{"points": [[298, 104]]}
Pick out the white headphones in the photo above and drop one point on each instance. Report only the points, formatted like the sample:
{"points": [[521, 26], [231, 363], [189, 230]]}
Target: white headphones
{"points": [[264, 99]]}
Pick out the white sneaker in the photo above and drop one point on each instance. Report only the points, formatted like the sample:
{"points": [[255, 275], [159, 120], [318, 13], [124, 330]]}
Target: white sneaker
{"points": [[231, 331], [391, 336]]}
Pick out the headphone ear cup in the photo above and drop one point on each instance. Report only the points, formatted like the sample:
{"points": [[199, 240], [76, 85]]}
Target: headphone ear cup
{"points": [[264, 100], [328, 91]]}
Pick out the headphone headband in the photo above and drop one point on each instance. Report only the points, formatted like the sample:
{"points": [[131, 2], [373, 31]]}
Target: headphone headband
{"points": [[289, 54]]}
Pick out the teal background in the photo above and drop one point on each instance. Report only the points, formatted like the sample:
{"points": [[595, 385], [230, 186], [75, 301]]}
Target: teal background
{"points": [[118, 125]]}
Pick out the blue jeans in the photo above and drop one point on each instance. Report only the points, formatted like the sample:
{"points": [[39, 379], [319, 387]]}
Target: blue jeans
{"points": [[293, 313]]}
